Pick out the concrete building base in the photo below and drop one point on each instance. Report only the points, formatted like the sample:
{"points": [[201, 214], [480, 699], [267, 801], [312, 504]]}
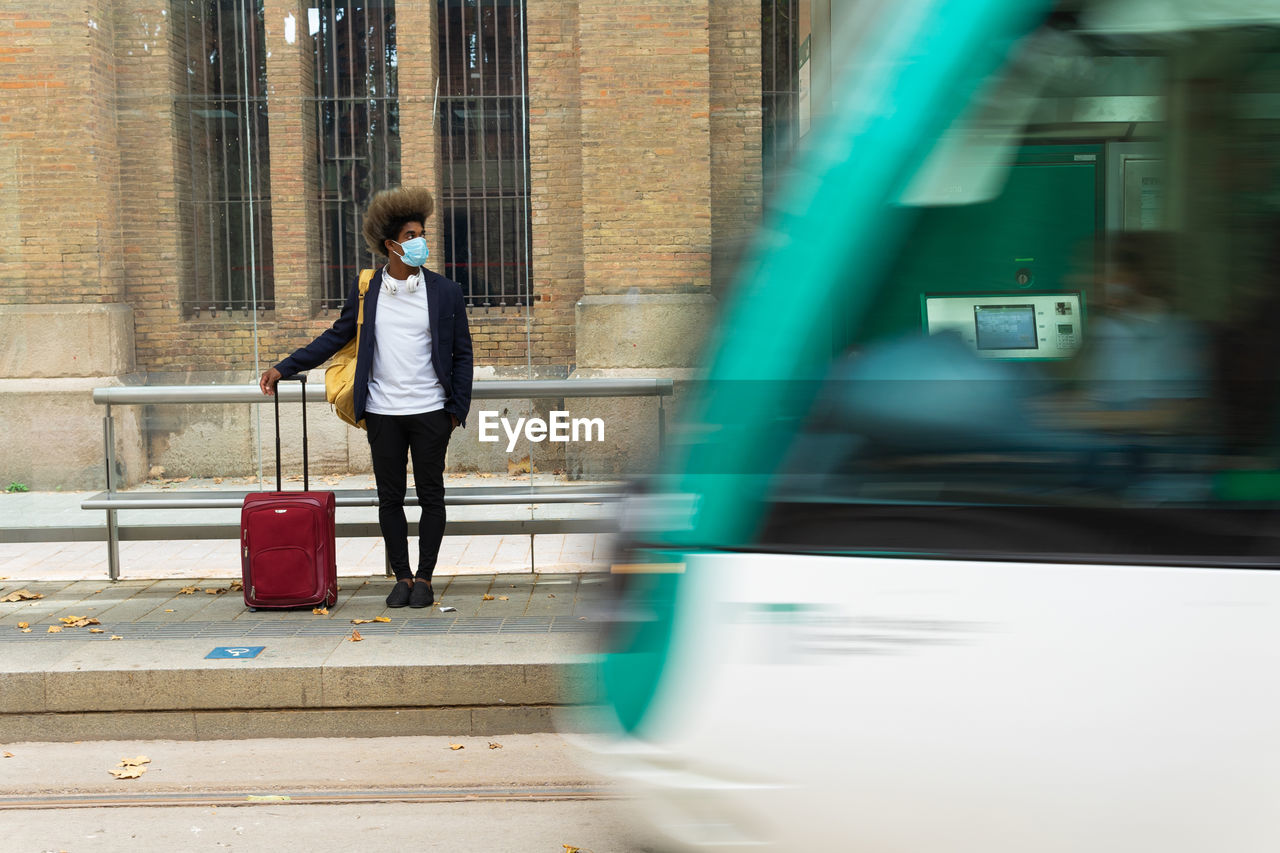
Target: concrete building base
{"points": [[642, 330], [51, 435], [635, 335], [51, 358], [50, 341]]}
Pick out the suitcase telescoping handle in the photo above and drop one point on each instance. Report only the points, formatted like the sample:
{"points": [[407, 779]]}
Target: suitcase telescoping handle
{"points": [[306, 474]]}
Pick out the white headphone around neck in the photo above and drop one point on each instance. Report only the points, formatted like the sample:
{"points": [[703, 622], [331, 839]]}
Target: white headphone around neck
{"points": [[389, 284]]}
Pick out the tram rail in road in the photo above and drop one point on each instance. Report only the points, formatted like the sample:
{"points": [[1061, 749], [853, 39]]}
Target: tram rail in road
{"points": [[539, 793]]}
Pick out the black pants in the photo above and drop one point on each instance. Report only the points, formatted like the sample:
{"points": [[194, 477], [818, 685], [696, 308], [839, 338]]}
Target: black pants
{"points": [[392, 440]]}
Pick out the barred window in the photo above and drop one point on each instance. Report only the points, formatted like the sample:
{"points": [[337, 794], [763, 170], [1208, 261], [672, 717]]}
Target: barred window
{"points": [[484, 128], [227, 203], [358, 125], [780, 80]]}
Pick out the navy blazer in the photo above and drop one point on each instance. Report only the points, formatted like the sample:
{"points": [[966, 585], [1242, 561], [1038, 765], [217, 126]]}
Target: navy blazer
{"points": [[450, 342]]}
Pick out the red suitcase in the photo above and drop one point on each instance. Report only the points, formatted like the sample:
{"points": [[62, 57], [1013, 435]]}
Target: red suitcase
{"points": [[287, 544]]}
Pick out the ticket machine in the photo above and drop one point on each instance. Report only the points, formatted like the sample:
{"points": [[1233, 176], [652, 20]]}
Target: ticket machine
{"points": [[1010, 325]]}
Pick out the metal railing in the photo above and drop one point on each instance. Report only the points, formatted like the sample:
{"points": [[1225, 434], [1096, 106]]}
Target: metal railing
{"points": [[112, 501]]}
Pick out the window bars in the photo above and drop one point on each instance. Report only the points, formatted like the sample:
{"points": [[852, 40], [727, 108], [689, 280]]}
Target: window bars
{"points": [[780, 82], [484, 129], [226, 110], [357, 125]]}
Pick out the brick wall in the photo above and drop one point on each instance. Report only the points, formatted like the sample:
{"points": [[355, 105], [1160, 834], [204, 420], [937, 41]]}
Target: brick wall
{"points": [[295, 243], [646, 149], [60, 224], [416, 78], [152, 162], [644, 165], [736, 128], [555, 170]]}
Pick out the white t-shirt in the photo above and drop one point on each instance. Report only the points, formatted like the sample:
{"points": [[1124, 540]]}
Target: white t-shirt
{"points": [[403, 381]]}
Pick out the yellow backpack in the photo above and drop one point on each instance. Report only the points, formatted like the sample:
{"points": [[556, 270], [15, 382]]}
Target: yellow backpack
{"points": [[340, 375]]}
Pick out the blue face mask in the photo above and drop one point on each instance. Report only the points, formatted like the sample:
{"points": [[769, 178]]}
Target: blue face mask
{"points": [[415, 251]]}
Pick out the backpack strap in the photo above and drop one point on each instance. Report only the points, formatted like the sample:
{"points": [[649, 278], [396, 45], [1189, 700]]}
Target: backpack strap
{"points": [[366, 276]]}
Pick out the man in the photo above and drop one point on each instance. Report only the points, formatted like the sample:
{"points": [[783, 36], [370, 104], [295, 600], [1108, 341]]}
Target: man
{"points": [[412, 383]]}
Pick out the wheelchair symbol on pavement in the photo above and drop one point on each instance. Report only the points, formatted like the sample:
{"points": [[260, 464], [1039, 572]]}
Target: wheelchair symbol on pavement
{"points": [[235, 652]]}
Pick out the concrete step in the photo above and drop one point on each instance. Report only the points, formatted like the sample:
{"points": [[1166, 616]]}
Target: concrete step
{"points": [[490, 667]]}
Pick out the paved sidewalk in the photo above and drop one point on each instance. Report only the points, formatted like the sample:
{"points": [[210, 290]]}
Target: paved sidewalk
{"points": [[514, 651]]}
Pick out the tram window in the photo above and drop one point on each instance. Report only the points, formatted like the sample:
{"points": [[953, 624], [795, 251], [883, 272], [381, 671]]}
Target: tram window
{"points": [[1160, 439]]}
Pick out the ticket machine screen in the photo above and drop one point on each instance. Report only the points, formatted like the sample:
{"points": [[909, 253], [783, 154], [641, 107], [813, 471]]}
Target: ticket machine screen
{"points": [[1001, 327]]}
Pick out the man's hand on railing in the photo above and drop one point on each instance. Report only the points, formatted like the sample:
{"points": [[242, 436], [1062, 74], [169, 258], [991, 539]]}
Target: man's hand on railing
{"points": [[268, 381]]}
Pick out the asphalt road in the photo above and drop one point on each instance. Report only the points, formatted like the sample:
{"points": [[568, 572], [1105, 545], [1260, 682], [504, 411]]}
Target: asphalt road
{"points": [[526, 793]]}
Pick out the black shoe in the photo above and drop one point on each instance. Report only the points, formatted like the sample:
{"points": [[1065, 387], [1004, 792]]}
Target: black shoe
{"points": [[400, 594], [422, 595]]}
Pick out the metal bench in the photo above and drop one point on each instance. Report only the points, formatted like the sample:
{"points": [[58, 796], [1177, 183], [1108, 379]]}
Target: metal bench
{"points": [[113, 501]]}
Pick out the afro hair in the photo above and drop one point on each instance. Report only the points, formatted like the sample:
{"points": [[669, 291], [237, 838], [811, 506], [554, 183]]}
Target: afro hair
{"points": [[389, 210]]}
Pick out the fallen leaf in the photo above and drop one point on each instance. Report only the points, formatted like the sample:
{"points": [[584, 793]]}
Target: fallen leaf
{"points": [[493, 745], [218, 591], [78, 621], [320, 611], [116, 637], [189, 590], [26, 630], [355, 636], [569, 848], [488, 597], [127, 772], [382, 619], [22, 595], [24, 624], [268, 798], [55, 629], [551, 595], [236, 586], [134, 762], [156, 471], [361, 621], [8, 755], [217, 481], [504, 598], [96, 631], [456, 746], [485, 475], [168, 610], [520, 466]]}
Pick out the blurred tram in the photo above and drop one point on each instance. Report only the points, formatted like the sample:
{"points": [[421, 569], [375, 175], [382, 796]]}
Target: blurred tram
{"points": [[969, 539]]}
